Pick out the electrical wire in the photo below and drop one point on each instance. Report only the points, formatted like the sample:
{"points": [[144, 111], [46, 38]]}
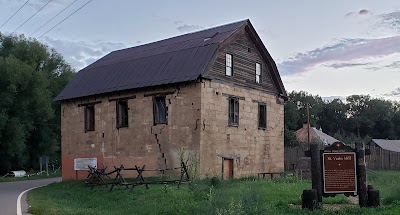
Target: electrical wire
{"points": [[53, 18], [14, 14], [31, 16], [65, 19]]}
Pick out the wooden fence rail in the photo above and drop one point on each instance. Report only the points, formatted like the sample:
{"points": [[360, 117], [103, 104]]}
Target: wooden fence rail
{"points": [[379, 158]]}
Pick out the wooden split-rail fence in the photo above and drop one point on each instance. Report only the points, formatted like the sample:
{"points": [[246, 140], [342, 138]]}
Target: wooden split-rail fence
{"points": [[99, 177]]}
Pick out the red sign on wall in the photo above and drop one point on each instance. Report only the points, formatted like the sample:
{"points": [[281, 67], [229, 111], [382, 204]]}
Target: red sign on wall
{"points": [[339, 172]]}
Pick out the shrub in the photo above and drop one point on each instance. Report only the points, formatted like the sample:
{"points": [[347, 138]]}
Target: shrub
{"points": [[215, 181]]}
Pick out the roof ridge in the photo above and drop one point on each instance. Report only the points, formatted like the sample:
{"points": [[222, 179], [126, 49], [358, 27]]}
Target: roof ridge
{"points": [[182, 35]]}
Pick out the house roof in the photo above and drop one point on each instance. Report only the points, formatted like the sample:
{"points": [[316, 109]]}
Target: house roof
{"points": [[315, 134], [390, 145], [177, 59]]}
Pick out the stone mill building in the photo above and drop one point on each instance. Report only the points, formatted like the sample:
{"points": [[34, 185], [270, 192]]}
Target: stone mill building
{"points": [[215, 94]]}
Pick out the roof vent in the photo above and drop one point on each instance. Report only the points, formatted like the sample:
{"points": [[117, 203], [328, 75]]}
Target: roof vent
{"points": [[209, 38]]}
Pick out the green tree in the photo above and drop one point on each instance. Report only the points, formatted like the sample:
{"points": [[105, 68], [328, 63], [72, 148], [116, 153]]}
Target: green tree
{"points": [[31, 75], [333, 117]]}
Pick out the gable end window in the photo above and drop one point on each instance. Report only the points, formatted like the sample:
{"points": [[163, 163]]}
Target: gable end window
{"points": [[233, 111], [89, 118], [228, 65], [258, 73], [122, 114], [262, 116], [160, 111]]}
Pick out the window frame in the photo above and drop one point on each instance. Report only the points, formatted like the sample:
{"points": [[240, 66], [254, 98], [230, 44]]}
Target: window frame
{"points": [[89, 124], [233, 111], [259, 80], [156, 113], [262, 125], [228, 66], [122, 121]]}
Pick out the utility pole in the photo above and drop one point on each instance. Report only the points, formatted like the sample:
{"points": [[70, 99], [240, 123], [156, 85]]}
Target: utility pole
{"points": [[308, 125]]}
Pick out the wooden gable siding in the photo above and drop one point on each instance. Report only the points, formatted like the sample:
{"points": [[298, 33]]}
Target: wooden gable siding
{"points": [[244, 72]]}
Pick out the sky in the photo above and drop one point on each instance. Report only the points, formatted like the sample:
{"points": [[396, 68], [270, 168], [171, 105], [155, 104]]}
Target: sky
{"points": [[330, 48]]}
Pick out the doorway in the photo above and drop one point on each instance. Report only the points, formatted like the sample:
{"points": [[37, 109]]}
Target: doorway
{"points": [[227, 168]]}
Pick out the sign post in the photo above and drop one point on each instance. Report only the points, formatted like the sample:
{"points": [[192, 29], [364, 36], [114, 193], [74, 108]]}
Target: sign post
{"points": [[339, 169]]}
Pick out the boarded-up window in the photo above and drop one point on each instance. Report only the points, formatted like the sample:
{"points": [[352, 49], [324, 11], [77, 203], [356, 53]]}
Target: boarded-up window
{"points": [[89, 118], [160, 111], [233, 111], [258, 73], [228, 64], [262, 116], [122, 114]]}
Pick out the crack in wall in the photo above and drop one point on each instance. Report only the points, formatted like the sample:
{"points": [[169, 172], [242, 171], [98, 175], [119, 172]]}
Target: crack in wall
{"points": [[162, 162]]}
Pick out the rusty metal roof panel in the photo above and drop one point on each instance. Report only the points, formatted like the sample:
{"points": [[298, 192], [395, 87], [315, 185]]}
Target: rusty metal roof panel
{"points": [[315, 135], [178, 59]]}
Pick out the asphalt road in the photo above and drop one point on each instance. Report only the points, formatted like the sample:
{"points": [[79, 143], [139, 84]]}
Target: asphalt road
{"points": [[9, 192]]}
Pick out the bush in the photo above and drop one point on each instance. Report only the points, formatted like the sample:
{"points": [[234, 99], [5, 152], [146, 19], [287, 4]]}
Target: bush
{"points": [[215, 181]]}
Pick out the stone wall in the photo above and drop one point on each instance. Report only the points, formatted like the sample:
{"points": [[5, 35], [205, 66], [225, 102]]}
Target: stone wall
{"points": [[141, 143], [197, 123], [253, 150]]}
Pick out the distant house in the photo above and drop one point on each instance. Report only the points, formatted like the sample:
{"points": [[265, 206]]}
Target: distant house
{"points": [[389, 145], [316, 135], [215, 93]]}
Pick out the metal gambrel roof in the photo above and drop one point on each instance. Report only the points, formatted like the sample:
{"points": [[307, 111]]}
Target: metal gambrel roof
{"points": [[177, 59]]}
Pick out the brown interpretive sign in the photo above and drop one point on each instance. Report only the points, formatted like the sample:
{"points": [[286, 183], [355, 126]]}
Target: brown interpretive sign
{"points": [[339, 172]]}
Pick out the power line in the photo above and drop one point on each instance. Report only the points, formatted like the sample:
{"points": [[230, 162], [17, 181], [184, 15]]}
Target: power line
{"points": [[32, 16], [14, 14], [65, 18], [53, 18]]}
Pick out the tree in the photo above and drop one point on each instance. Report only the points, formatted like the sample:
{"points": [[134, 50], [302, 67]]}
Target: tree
{"points": [[360, 118], [332, 118], [31, 75]]}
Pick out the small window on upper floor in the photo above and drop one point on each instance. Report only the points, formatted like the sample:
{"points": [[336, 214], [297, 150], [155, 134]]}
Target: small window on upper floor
{"points": [[160, 111], [262, 116], [122, 114], [233, 111], [258, 73], [228, 65], [89, 118]]}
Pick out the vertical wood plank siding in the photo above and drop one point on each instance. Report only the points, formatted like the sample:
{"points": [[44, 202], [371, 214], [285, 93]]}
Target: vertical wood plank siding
{"points": [[244, 64]]}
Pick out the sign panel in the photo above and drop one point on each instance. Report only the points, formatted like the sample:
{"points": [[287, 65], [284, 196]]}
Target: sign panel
{"points": [[339, 172], [83, 163]]}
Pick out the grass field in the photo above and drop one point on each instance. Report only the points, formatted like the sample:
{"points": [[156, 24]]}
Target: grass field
{"points": [[243, 196]]}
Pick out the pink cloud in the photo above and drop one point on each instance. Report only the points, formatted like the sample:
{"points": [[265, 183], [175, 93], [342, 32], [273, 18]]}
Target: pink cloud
{"points": [[346, 50]]}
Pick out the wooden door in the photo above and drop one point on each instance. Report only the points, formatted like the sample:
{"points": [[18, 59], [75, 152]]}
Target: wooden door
{"points": [[227, 168]]}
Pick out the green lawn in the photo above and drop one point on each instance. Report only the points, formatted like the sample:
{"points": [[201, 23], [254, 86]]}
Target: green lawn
{"points": [[229, 197]]}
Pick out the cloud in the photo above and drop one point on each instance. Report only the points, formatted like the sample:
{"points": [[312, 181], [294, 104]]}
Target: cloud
{"points": [[390, 20], [37, 4], [345, 51], [394, 65], [343, 65], [395, 92], [81, 53], [178, 22], [331, 98], [188, 28], [362, 12]]}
